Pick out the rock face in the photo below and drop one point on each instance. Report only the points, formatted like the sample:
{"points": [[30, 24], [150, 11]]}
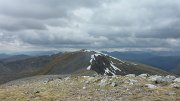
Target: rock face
{"points": [[177, 80], [102, 65], [87, 88]]}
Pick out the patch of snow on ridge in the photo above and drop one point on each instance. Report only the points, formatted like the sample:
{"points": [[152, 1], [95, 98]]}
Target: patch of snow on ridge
{"points": [[91, 60], [101, 53], [134, 64], [97, 54], [109, 56], [89, 67], [93, 57], [87, 50], [108, 71], [117, 59], [114, 67]]}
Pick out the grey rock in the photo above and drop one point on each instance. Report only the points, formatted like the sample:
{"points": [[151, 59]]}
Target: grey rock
{"points": [[175, 85], [36, 91], [67, 78], [154, 77], [132, 82], [171, 77], [130, 75], [143, 75], [103, 82], [177, 80], [151, 86], [84, 87], [160, 79], [113, 84]]}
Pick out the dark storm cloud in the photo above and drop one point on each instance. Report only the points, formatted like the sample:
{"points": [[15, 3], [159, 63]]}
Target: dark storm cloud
{"points": [[90, 24]]}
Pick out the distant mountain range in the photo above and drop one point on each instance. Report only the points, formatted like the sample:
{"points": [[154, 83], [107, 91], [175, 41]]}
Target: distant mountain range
{"points": [[11, 58], [3, 56], [83, 62], [168, 61]]}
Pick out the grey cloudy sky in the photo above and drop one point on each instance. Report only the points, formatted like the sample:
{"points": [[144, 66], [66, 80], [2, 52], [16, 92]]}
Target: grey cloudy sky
{"points": [[96, 24]]}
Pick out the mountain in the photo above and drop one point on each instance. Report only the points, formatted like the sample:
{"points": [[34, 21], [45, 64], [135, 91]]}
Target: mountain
{"points": [[15, 58], [3, 56], [168, 61], [163, 62], [21, 68], [83, 62]]}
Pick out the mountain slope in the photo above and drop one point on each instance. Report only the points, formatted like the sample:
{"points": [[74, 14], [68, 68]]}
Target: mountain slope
{"points": [[103, 64], [3, 56], [167, 61], [16, 58], [82, 62], [21, 68]]}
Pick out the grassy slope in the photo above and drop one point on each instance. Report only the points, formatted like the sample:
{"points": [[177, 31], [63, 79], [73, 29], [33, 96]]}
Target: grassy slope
{"points": [[129, 68], [88, 89], [74, 62], [64, 64]]}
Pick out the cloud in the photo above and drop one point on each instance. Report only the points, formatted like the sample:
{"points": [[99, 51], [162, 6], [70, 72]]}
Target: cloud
{"points": [[102, 24]]}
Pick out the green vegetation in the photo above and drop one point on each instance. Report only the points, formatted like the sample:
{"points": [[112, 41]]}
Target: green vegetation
{"points": [[76, 88]]}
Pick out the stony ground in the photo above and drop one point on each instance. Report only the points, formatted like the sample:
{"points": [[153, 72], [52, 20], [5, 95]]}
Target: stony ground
{"points": [[83, 88]]}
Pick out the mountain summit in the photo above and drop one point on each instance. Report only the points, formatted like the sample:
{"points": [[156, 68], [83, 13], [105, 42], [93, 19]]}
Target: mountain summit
{"points": [[87, 62], [83, 62]]}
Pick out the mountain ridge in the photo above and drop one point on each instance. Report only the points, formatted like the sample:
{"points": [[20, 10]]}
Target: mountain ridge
{"points": [[75, 63]]}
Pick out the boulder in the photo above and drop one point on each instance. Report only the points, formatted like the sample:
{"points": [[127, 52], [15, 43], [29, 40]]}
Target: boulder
{"points": [[171, 77], [175, 85], [151, 86], [113, 84], [177, 80], [143, 75], [103, 82], [130, 75], [160, 79]]}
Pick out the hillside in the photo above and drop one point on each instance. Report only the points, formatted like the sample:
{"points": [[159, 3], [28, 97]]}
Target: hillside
{"points": [[97, 88], [83, 62], [21, 68], [167, 61], [15, 58], [69, 63]]}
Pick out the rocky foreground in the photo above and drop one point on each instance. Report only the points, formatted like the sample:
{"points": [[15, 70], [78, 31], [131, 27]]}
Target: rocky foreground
{"points": [[99, 88]]}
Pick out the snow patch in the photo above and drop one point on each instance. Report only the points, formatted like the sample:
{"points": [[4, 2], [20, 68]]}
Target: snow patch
{"points": [[89, 67], [93, 58], [100, 53], [134, 64], [108, 71], [87, 50], [117, 59], [114, 67]]}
